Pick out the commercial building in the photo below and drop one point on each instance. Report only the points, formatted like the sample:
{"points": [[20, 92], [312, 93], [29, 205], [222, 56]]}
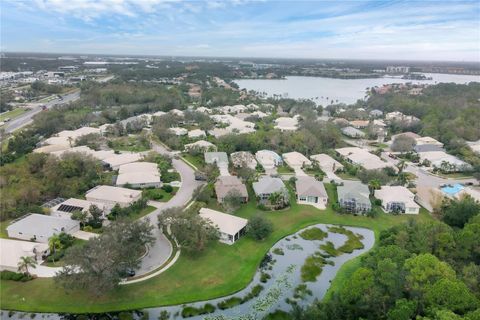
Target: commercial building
{"points": [[39, 227], [231, 228], [113, 195]]}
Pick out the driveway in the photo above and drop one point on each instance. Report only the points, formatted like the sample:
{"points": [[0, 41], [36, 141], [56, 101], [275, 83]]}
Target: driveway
{"points": [[161, 250]]}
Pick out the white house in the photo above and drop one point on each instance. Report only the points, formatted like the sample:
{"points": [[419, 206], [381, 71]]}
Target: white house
{"points": [[139, 175], [201, 145], [363, 158], [231, 227], [13, 250], [296, 160], [243, 159], [116, 160], [39, 227], [65, 209], [113, 195], [178, 131], [196, 133], [327, 163], [311, 191], [268, 159], [286, 123], [397, 199]]}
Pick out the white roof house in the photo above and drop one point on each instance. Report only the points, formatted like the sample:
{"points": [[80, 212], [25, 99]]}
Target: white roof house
{"points": [[296, 159], [286, 123], [139, 175], [326, 162], [178, 113], [103, 154], [11, 251], [363, 158], [243, 159], [353, 132], [196, 133], [116, 160], [311, 191], [79, 149], [438, 159], [203, 110], [178, 131], [266, 185], [65, 209], [397, 199], [428, 140], [113, 195], [268, 159], [68, 137], [50, 148], [40, 228], [230, 227], [201, 145]]}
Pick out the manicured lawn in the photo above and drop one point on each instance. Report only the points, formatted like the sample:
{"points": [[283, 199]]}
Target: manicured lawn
{"points": [[12, 113], [197, 161], [131, 143], [3, 228], [284, 169], [219, 271], [165, 195], [142, 213]]}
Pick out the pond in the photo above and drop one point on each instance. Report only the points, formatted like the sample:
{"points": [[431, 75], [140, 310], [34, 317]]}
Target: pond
{"points": [[284, 276], [324, 90]]}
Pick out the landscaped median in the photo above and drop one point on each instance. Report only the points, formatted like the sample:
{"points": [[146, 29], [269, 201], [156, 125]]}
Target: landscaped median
{"points": [[219, 271]]}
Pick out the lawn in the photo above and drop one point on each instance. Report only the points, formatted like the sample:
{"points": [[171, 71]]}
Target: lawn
{"points": [[3, 228], [284, 169], [197, 161], [193, 278], [12, 113], [142, 213], [130, 143], [166, 196]]}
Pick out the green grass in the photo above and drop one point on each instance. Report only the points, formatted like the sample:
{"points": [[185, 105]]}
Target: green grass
{"points": [[3, 228], [142, 213], [197, 161], [132, 144], [284, 169], [12, 113], [183, 283], [165, 195], [313, 267]]}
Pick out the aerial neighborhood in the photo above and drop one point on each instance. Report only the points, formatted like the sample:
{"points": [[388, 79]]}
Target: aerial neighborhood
{"points": [[200, 194]]}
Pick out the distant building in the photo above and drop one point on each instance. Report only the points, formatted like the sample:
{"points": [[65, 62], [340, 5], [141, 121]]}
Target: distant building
{"points": [[353, 133], [397, 69]]}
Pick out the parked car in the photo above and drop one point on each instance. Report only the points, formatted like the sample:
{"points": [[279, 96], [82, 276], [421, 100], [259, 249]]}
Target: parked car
{"points": [[200, 176]]}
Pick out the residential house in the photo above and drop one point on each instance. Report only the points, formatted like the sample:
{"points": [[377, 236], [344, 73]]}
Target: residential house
{"points": [[220, 159], [40, 227], [196, 133], [231, 227], [139, 175], [311, 191], [286, 123], [359, 124], [243, 159], [13, 250], [268, 159], [397, 199], [296, 160], [266, 185], [116, 160], [363, 158], [227, 184], [113, 195], [353, 133], [326, 162], [201, 145], [353, 197], [375, 113], [67, 207], [178, 131]]}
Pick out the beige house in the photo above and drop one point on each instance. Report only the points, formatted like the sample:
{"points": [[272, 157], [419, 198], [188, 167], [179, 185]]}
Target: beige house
{"points": [[327, 163], [227, 184], [311, 191], [296, 160], [139, 175], [113, 195], [397, 199], [231, 228]]}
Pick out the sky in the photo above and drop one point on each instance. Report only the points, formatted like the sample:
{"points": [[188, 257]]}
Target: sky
{"points": [[404, 30]]}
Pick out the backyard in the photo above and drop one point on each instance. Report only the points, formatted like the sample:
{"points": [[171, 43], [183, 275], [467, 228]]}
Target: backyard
{"points": [[208, 279]]}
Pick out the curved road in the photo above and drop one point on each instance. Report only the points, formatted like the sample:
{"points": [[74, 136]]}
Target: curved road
{"points": [[161, 250], [26, 118]]}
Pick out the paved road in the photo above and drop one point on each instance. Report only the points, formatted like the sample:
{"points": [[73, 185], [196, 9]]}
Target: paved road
{"points": [[161, 250], [26, 118]]}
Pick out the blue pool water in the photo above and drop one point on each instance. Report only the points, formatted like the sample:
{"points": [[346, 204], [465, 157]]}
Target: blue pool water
{"points": [[452, 190]]}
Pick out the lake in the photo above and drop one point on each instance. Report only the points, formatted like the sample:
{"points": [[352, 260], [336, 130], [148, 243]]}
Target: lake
{"points": [[324, 90]]}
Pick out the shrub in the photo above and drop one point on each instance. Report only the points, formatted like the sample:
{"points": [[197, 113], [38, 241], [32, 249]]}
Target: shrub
{"points": [[259, 227], [167, 188], [192, 311], [229, 303], [15, 276]]}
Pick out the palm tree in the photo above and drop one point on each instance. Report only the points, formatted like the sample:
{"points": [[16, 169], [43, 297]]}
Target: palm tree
{"points": [[26, 262], [54, 243], [373, 185], [275, 198], [401, 165]]}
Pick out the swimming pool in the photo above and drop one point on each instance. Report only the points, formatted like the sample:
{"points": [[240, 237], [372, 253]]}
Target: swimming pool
{"points": [[453, 190]]}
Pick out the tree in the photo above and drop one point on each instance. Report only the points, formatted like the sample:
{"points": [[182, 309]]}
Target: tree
{"points": [[80, 216], [100, 264], [457, 212], [54, 244], [232, 200], [374, 185], [25, 263], [96, 216], [259, 227], [192, 232], [403, 143], [451, 294], [403, 310]]}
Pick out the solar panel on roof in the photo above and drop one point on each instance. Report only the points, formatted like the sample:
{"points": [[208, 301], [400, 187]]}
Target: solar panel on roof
{"points": [[68, 208]]}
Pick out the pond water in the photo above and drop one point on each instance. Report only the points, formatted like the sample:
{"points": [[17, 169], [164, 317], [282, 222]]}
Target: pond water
{"points": [[324, 90], [285, 276]]}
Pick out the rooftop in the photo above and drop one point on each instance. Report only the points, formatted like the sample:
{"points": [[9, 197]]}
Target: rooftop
{"points": [[115, 194], [266, 185], [40, 224], [226, 223], [309, 186]]}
